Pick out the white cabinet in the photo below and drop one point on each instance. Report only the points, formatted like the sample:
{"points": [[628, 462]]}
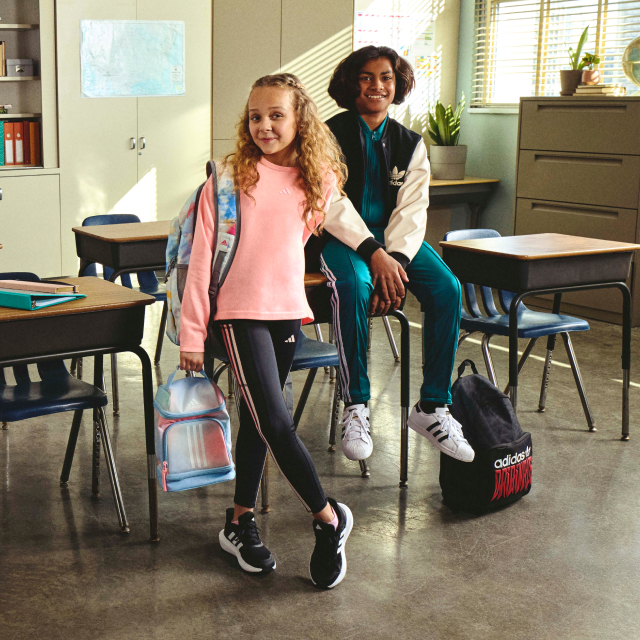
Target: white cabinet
{"points": [[30, 224], [101, 171]]}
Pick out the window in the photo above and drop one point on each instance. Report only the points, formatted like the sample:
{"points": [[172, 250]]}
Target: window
{"points": [[521, 45]]}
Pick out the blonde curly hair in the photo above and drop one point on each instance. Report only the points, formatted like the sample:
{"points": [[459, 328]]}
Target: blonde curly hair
{"points": [[317, 151]]}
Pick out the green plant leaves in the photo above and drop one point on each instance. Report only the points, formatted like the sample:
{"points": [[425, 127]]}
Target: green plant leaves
{"points": [[574, 56], [444, 124]]}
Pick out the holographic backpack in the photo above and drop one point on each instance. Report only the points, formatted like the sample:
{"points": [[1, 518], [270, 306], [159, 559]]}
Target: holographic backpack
{"points": [[192, 435], [226, 207]]}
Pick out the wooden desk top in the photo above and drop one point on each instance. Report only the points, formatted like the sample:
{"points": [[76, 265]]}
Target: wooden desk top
{"points": [[102, 295], [314, 279], [129, 232], [540, 245], [466, 180]]}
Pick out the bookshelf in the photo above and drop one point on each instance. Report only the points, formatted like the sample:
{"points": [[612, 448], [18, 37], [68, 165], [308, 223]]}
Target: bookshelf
{"points": [[27, 27], [18, 27]]}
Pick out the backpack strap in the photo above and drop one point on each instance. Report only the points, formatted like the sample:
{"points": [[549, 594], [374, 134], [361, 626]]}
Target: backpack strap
{"points": [[461, 368]]}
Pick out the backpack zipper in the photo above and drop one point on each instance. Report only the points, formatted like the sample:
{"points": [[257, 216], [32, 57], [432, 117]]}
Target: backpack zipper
{"points": [[165, 471], [172, 265]]}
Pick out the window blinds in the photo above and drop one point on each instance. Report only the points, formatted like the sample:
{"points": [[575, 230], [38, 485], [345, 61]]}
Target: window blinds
{"points": [[521, 45]]}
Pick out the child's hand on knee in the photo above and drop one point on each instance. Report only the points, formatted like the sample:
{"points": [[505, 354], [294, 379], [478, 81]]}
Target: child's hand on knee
{"points": [[191, 361]]}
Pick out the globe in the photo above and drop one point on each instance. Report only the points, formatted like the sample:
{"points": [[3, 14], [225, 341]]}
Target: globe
{"points": [[631, 61]]}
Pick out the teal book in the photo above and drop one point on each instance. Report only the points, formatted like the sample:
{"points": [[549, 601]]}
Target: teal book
{"points": [[2, 145], [29, 300]]}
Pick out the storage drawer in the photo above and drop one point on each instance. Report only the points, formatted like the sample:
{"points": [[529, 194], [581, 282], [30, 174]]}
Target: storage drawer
{"points": [[609, 125], [538, 216], [607, 180]]}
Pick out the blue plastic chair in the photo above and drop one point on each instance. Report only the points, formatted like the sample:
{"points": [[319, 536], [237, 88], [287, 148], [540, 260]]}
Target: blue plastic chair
{"points": [[58, 391], [531, 326], [148, 284]]}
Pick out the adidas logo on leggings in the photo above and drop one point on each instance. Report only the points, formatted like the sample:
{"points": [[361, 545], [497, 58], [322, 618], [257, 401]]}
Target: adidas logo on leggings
{"points": [[291, 339]]}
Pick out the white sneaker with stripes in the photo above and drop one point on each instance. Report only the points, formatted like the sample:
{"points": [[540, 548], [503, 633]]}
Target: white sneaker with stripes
{"points": [[356, 433], [444, 431]]}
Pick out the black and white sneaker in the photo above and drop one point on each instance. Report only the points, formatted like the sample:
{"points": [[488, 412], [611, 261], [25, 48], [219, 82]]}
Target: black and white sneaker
{"points": [[444, 431], [328, 564], [242, 540]]}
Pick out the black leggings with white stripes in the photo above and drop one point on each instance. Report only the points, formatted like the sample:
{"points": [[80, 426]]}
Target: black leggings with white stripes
{"points": [[261, 353]]}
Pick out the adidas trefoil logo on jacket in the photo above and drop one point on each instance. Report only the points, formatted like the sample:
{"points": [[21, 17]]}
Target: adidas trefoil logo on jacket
{"points": [[396, 177]]}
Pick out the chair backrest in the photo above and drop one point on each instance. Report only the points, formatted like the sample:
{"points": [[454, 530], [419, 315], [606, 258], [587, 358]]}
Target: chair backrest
{"points": [[49, 369], [505, 297], [469, 289], [109, 218]]}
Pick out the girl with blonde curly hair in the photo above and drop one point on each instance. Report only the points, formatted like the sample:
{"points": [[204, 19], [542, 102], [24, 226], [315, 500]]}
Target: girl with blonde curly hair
{"points": [[287, 168]]}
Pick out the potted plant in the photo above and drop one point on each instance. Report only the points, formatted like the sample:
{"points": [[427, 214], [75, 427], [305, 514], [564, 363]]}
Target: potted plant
{"points": [[570, 78], [447, 158], [590, 75]]}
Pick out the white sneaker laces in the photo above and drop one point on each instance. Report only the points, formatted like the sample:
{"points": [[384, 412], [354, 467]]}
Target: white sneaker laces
{"points": [[356, 423], [450, 425]]}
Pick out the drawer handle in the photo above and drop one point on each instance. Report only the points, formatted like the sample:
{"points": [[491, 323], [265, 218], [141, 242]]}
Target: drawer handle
{"points": [[549, 208], [588, 108], [593, 160]]}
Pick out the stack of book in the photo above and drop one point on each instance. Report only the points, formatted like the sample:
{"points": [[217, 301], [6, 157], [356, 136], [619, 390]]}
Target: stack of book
{"points": [[19, 294], [600, 90], [21, 143]]}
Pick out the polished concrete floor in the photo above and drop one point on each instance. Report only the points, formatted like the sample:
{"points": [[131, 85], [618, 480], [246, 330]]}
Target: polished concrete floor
{"points": [[564, 562]]}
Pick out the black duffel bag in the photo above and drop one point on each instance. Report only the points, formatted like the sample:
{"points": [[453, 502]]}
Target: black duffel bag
{"points": [[501, 470]]}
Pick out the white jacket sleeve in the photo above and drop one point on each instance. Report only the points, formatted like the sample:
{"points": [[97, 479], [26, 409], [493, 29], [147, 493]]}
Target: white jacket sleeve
{"points": [[408, 222], [345, 223]]}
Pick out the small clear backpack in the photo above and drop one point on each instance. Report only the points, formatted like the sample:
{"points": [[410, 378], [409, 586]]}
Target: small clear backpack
{"points": [[193, 437]]}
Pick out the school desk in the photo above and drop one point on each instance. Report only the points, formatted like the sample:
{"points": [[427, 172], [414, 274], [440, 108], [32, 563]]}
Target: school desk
{"points": [[109, 320], [125, 248], [547, 263]]}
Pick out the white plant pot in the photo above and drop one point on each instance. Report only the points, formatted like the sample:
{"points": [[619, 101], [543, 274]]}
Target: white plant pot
{"points": [[447, 163]]}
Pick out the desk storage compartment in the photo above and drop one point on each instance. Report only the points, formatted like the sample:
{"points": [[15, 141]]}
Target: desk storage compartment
{"points": [[606, 180], [574, 124], [535, 216]]}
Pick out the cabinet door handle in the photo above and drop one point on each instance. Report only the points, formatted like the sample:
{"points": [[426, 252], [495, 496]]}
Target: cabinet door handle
{"points": [[143, 143], [0, 194], [133, 143]]}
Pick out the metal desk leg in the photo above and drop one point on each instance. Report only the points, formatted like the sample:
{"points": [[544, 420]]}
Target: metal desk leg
{"points": [[551, 345], [404, 395], [96, 431], [626, 357], [147, 391], [115, 395], [513, 350]]}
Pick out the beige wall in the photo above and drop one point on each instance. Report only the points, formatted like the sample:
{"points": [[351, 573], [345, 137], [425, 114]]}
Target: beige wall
{"points": [[252, 38]]}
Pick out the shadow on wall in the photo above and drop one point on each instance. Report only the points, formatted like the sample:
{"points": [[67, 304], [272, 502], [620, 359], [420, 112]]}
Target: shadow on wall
{"points": [[315, 67]]}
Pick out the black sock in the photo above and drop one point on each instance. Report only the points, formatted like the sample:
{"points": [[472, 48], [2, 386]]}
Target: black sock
{"points": [[430, 407]]}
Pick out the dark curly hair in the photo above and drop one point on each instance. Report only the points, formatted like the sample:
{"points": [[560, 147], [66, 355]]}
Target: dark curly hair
{"points": [[344, 87]]}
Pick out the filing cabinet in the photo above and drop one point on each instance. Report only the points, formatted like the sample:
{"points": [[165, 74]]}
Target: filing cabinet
{"points": [[578, 173]]}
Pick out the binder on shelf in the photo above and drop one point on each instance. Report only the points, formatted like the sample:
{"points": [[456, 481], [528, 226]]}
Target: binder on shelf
{"points": [[30, 301], [34, 140], [3, 58], [26, 146], [8, 144], [18, 133], [50, 286], [2, 145]]}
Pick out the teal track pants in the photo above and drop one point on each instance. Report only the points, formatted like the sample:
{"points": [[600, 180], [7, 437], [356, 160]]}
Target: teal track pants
{"points": [[437, 291]]}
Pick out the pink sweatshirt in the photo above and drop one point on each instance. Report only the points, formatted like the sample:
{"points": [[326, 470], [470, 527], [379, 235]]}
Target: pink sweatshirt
{"points": [[266, 278]]}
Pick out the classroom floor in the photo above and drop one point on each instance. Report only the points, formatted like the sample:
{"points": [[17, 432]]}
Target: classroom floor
{"points": [[561, 563]]}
